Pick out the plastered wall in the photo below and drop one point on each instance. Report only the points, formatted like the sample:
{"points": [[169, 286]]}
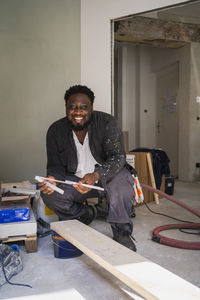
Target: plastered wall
{"points": [[39, 59], [194, 112]]}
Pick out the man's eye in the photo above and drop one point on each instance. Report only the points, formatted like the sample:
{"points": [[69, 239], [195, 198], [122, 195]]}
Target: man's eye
{"points": [[72, 106], [75, 107], [83, 107]]}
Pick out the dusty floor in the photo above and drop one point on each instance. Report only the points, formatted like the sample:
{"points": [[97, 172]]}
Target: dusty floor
{"points": [[81, 278]]}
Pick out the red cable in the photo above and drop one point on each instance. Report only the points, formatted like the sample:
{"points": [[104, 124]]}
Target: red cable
{"points": [[169, 241]]}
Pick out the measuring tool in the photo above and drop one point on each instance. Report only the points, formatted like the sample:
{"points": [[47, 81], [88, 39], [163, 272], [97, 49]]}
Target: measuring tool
{"points": [[41, 179]]}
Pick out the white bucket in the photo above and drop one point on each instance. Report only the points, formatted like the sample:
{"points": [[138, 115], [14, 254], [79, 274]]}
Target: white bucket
{"points": [[44, 212]]}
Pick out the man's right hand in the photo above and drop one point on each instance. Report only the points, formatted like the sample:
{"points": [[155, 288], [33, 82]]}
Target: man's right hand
{"points": [[44, 188]]}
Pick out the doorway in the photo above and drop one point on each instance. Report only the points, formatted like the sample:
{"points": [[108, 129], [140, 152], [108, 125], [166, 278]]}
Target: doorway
{"points": [[167, 86]]}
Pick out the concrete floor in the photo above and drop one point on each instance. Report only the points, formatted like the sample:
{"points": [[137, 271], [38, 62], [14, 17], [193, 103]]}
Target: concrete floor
{"points": [[81, 278]]}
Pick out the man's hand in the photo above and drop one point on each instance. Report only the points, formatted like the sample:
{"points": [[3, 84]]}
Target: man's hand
{"points": [[89, 178], [45, 188]]}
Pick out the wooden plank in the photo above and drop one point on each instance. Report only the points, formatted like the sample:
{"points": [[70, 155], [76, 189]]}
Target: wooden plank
{"points": [[149, 30], [14, 198], [30, 241], [145, 277], [11, 239], [156, 197], [17, 184]]}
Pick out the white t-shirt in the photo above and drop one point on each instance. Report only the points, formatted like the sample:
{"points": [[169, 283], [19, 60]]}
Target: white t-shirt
{"points": [[86, 161]]}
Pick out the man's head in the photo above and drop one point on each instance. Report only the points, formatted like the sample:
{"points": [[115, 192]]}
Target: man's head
{"points": [[79, 106]]}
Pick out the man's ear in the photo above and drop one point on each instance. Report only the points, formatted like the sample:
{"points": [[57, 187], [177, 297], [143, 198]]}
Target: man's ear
{"points": [[66, 108]]}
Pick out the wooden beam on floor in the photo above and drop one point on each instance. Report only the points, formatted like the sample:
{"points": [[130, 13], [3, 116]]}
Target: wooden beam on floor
{"points": [[148, 279], [151, 174]]}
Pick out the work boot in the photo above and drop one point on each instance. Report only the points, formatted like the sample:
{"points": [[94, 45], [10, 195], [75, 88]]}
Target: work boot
{"points": [[122, 235], [88, 216], [133, 214]]}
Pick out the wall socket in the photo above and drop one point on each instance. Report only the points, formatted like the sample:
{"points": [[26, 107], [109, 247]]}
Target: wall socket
{"points": [[197, 165], [197, 99]]}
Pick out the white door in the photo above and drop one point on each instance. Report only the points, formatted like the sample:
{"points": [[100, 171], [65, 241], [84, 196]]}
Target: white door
{"points": [[167, 114]]}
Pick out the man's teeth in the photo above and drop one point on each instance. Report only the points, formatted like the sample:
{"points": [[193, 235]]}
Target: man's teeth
{"points": [[78, 119]]}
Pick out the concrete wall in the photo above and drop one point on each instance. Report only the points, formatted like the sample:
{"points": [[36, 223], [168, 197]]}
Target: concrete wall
{"points": [[39, 58], [181, 55], [139, 75], [194, 113], [129, 121], [147, 99], [138, 96]]}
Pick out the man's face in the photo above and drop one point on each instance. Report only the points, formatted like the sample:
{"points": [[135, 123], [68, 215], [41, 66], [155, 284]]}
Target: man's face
{"points": [[79, 110]]}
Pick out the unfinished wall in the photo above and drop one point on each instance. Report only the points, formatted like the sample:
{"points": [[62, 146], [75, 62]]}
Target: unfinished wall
{"points": [[142, 78], [138, 96], [182, 55], [194, 112], [40, 58], [147, 99], [129, 93], [96, 41]]}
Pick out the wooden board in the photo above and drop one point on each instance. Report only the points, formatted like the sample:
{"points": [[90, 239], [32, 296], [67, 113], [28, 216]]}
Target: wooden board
{"points": [[145, 277], [19, 228], [17, 184], [30, 241], [151, 174], [14, 198]]}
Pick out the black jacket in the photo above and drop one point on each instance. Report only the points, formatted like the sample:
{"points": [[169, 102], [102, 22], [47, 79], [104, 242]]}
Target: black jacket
{"points": [[106, 145], [160, 163]]}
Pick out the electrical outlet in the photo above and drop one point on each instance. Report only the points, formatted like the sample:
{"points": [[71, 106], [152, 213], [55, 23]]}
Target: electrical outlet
{"points": [[197, 165], [197, 99]]}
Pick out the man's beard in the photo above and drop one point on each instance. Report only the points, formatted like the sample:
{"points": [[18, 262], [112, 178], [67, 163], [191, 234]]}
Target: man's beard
{"points": [[79, 127]]}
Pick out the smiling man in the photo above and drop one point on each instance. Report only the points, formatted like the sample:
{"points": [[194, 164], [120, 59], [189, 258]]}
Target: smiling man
{"points": [[86, 146]]}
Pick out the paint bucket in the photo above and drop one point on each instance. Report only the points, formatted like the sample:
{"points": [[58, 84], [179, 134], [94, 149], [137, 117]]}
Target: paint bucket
{"points": [[44, 212], [64, 249]]}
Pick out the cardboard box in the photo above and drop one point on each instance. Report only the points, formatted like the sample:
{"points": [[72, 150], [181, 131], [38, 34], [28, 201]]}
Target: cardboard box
{"points": [[14, 208], [130, 159], [142, 169]]}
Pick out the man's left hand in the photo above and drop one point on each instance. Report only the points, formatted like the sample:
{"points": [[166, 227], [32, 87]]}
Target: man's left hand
{"points": [[89, 178]]}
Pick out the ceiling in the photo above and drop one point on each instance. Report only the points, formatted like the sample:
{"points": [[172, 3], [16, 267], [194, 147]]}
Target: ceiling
{"points": [[186, 13]]}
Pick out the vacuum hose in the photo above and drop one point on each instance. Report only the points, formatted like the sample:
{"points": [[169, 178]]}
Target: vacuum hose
{"points": [[157, 237]]}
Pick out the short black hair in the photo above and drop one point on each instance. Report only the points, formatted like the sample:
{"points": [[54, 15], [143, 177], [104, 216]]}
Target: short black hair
{"points": [[79, 89]]}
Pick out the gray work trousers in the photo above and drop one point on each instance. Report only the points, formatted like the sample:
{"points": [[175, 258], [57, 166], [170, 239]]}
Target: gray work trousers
{"points": [[119, 194]]}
